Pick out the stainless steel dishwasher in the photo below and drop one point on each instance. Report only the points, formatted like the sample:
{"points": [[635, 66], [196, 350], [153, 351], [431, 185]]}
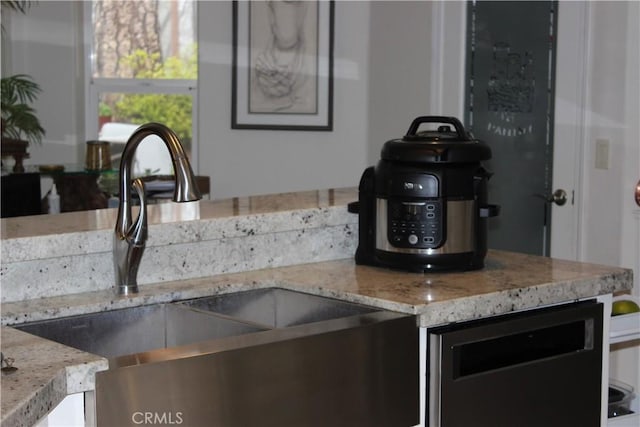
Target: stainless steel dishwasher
{"points": [[536, 368]]}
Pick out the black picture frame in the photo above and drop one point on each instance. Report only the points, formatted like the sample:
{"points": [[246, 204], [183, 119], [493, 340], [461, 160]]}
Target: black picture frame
{"points": [[282, 73]]}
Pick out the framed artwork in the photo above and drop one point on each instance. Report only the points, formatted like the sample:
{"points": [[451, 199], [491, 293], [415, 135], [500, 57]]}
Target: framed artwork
{"points": [[282, 65]]}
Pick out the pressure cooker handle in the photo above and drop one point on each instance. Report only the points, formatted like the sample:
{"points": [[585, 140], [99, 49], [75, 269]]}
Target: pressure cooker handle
{"points": [[413, 129]]}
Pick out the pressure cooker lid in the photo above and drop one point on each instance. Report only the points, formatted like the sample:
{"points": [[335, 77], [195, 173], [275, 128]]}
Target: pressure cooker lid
{"points": [[444, 145]]}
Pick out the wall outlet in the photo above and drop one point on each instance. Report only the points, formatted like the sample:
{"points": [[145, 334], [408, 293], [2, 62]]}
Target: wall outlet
{"points": [[602, 154]]}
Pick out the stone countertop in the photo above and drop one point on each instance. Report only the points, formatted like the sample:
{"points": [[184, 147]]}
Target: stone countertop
{"points": [[509, 282], [300, 241], [52, 255], [46, 373], [15, 230]]}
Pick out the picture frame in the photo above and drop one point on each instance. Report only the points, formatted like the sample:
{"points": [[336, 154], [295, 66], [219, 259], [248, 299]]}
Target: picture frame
{"points": [[282, 73]]}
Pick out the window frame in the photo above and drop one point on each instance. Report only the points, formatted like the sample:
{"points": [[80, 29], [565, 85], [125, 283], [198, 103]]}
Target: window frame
{"points": [[95, 86]]}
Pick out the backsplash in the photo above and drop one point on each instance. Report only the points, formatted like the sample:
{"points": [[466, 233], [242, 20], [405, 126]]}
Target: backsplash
{"points": [[227, 241]]}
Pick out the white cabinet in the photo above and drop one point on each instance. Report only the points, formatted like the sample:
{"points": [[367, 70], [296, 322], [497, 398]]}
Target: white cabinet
{"points": [[625, 327], [622, 329], [68, 413]]}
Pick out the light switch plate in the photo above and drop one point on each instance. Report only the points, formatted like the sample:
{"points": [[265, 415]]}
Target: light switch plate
{"points": [[602, 154]]}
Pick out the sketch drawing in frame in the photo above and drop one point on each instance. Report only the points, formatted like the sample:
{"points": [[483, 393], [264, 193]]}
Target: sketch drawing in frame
{"points": [[282, 65]]}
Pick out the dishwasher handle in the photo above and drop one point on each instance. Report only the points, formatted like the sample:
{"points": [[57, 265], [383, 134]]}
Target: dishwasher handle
{"points": [[524, 347], [514, 339]]}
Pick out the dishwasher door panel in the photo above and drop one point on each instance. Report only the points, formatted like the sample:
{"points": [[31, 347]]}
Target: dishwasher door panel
{"points": [[538, 368]]}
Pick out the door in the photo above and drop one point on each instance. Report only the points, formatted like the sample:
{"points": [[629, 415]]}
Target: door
{"points": [[564, 156], [511, 52]]}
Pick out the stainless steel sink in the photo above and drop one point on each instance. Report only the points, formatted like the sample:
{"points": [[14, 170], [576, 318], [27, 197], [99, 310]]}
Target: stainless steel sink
{"points": [[259, 357], [138, 329], [141, 329], [134, 330], [278, 308]]}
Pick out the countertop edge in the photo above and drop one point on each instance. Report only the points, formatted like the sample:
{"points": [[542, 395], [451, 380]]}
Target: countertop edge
{"points": [[24, 414], [77, 374], [40, 384], [173, 223]]}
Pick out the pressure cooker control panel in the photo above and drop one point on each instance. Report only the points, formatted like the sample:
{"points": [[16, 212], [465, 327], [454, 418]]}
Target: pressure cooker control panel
{"points": [[415, 224]]}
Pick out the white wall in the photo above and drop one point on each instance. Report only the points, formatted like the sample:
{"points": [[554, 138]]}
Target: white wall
{"points": [[611, 220], [380, 84], [399, 70], [46, 44], [392, 63], [613, 115], [245, 162]]}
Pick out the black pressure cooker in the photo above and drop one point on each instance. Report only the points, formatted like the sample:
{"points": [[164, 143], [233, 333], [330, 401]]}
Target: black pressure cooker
{"points": [[424, 207]]}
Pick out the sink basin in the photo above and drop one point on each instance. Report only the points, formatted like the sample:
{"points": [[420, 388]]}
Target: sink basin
{"points": [[277, 308], [259, 357], [142, 329], [137, 329]]}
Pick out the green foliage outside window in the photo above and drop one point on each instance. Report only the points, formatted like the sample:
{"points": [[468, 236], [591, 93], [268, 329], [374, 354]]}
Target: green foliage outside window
{"points": [[169, 109]]}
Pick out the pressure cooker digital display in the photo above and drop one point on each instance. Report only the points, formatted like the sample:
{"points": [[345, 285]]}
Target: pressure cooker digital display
{"points": [[415, 224]]}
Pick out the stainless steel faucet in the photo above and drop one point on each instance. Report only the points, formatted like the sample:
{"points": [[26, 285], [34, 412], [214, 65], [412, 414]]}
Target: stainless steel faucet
{"points": [[130, 239]]}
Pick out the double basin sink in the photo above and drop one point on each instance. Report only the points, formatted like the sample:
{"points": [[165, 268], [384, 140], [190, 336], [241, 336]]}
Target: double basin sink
{"points": [[134, 330], [260, 357]]}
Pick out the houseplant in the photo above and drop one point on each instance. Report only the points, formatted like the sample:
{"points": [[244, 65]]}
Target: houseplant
{"points": [[19, 121], [20, 125]]}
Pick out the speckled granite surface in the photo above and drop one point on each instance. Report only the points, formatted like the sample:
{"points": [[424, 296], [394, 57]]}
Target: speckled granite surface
{"points": [[44, 256], [47, 372], [290, 233], [510, 281]]}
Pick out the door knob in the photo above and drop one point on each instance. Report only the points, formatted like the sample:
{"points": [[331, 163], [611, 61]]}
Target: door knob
{"points": [[637, 193], [559, 197]]}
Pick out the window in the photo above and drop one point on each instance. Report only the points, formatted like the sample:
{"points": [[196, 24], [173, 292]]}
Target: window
{"points": [[142, 68]]}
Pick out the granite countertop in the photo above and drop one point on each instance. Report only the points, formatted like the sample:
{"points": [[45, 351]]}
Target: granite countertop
{"points": [[510, 281], [79, 222], [46, 373], [300, 241]]}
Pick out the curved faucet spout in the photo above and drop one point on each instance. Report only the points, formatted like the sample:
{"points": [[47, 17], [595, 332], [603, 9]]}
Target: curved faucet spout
{"points": [[130, 239]]}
